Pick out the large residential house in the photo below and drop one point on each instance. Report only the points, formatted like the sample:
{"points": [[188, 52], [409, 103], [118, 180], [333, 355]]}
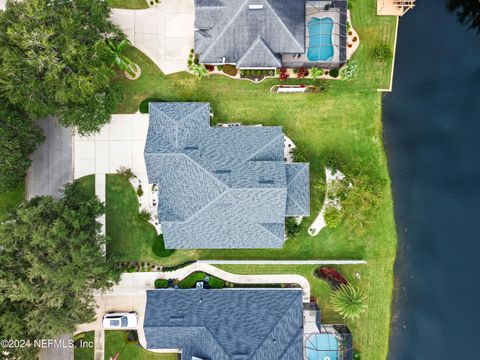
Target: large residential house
{"points": [[241, 324], [265, 34], [221, 187]]}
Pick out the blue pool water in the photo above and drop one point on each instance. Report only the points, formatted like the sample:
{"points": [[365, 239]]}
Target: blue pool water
{"points": [[322, 347], [320, 46]]}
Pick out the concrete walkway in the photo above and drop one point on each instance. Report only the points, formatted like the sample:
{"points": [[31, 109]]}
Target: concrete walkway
{"points": [[99, 345], [164, 32], [282, 262]]}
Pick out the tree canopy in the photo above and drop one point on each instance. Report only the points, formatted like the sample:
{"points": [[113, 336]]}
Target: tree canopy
{"points": [[19, 138], [54, 60], [52, 261]]}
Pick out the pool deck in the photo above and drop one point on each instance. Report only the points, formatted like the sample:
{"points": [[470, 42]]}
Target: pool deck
{"points": [[290, 60]]}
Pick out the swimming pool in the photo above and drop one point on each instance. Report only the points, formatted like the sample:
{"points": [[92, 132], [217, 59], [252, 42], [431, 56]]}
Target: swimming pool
{"points": [[322, 347], [320, 46]]}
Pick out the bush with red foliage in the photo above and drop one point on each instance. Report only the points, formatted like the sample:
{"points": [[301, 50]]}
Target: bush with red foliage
{"points": [[302, 72], [334, 277], [210, 68], [283, 74]]}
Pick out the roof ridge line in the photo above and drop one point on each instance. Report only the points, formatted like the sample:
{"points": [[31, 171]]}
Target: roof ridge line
{"points": [[225, 28], [266, 337], [263, 147], [283, 24], [264, 228], [252, 46], [303, 169]]}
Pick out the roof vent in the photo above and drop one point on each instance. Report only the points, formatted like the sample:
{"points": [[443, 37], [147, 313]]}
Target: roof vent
{"points": [[265, 181], [190, 148], [223, 171], [255, 7]]}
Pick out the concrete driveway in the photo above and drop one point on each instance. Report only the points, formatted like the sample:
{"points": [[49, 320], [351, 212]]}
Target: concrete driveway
{"points": [[52, 162], [119, 143], [164, 32]]}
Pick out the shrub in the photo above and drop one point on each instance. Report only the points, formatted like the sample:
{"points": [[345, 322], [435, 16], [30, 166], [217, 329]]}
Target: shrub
{"points": [[299, 155], [323, 85], [190, 281], [348, 301], [356, 355], [125, 173], [315, 72], [219, 67], [161, 284], [192, 51], [334, 73], [132, 335], [381, 53], [210, 67], [139, 191], [159, 249], [332, 276], [302, 72], [333, 217], [144, 215], [131, 269], [189, 62], [291, 227], [229, 69], [143, 108], [283, 74], [216, 283]]}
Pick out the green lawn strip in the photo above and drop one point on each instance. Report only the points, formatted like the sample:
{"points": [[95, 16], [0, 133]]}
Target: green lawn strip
{"points": [[128, 4], [87, 186], [116, 342], [11, 199], [370, 331], [85, 353], [129, 238]]}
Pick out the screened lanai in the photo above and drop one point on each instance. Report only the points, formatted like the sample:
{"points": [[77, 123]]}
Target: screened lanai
{"points": [[325, 36]]}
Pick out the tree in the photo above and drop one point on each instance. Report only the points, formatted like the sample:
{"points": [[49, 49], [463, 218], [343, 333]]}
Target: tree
{"points": [[467, 11], [291, 227], [54, 61], [52, 261], [19, 137], [349, 301], [120, 60], [199, 70], [382, 52]]}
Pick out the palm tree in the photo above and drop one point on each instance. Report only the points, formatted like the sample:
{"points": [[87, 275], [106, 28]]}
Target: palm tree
{"points": [[199, 70], [349, 301], [121, 61]]}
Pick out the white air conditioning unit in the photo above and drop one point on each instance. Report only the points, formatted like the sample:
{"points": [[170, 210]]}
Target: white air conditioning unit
{"points": [[255, 7]]}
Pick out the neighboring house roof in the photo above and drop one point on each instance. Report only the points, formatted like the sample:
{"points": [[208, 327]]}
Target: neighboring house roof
{"points": [[232, 28], [226, 324], [221, 187]]}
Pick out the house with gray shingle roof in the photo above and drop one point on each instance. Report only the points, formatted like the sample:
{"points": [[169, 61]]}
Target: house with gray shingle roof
{"points": [[226, 324], [221, 187], [253, 34]]}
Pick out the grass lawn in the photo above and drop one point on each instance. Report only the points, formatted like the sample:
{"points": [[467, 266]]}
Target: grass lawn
{"points": [[344, 123], [85, 353], [11, 199], [116, 342], [128, 4]]}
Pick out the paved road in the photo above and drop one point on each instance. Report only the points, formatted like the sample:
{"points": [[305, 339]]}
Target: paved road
{"points": [[51, 163]]}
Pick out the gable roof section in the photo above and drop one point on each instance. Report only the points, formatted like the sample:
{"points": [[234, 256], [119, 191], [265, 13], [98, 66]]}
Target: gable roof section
{"points": [[259, 54], [226, 324], [279, 23], [298, 190]]}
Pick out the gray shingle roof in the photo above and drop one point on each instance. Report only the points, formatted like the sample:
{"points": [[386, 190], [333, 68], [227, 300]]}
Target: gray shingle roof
{"points": [[227, 324], [221, 187], [230, 29]]}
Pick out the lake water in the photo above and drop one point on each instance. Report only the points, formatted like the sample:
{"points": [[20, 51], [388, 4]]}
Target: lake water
{"points": [[432, 138]]}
